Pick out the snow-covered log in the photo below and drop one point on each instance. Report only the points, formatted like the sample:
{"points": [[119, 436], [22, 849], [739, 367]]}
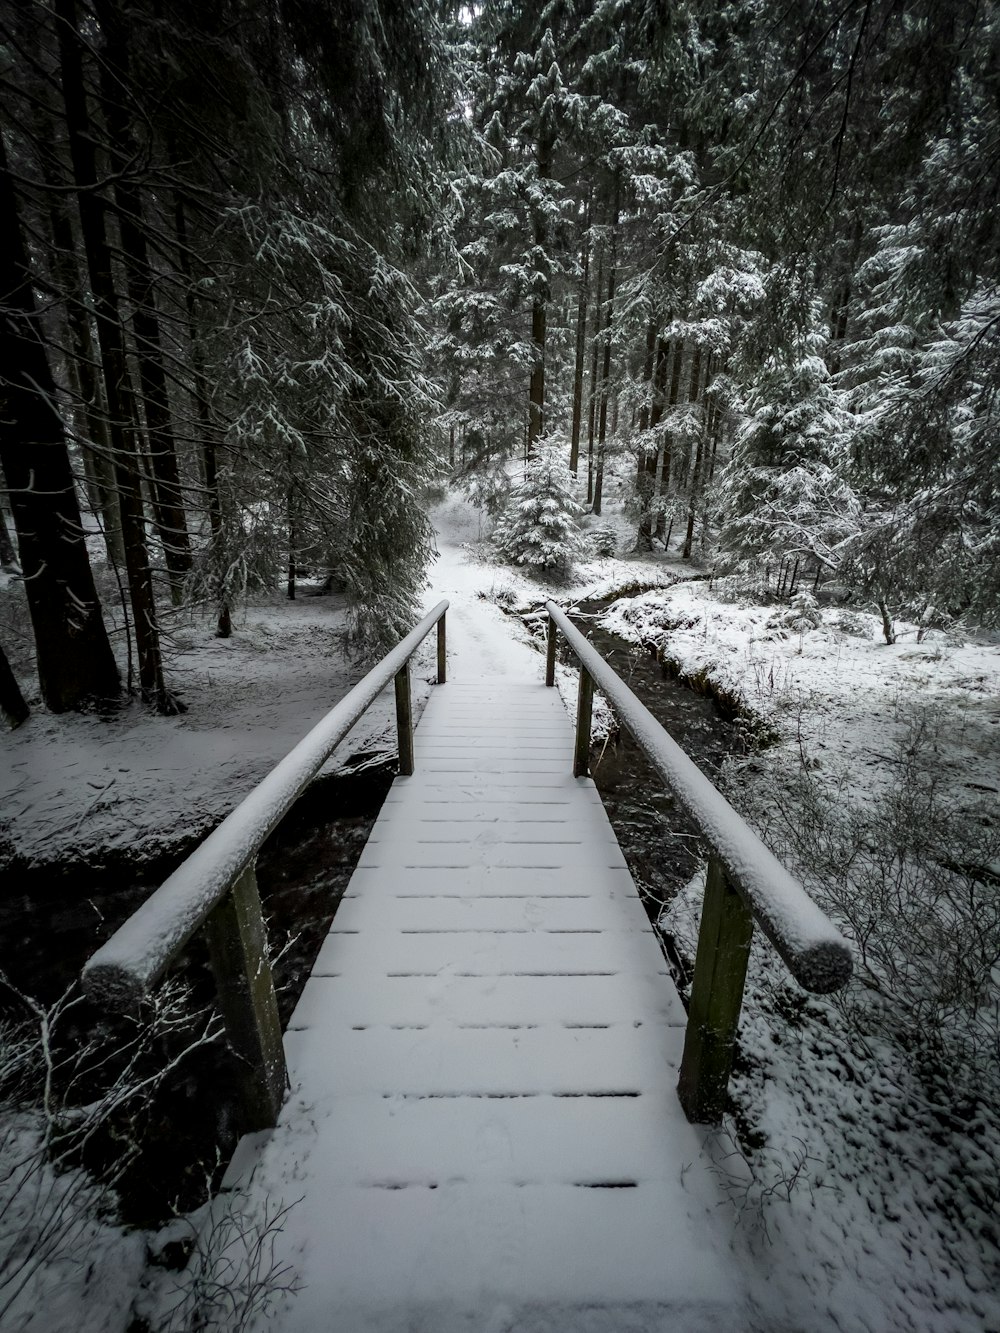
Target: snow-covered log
{"points": [[817, 954], [124, 968]]}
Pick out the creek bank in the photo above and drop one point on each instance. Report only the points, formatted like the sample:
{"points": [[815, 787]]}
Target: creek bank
{"points": [[55, 916]]}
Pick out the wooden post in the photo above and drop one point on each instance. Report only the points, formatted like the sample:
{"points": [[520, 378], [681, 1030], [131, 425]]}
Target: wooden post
{"points": [[720, 971], [404, 721], [237, 945], [442, 653], [550, 655], [584, 709]]}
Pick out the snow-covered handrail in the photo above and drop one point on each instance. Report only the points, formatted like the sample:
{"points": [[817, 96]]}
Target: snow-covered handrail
{"points": [[124, 969], [746, 883], [817, 954]]}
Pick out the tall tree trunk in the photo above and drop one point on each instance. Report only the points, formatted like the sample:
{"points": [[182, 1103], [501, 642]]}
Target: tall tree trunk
{"points": [[650, 465], [96, 447], [580, 360], [209, 457], [536, 388], [695, 490], [665, 464], [8, 556], [606, 366], [13, 708], [118, 393], [592, 400], [168, 505], [647, 379], [74, 659]]}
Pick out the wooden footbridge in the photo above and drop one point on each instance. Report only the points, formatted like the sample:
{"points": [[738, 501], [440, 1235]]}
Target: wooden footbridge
{"points": [[480, 1116]]}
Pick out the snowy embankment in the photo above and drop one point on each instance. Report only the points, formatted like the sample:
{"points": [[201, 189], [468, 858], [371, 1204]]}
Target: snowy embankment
{"points": [[137, 785]]}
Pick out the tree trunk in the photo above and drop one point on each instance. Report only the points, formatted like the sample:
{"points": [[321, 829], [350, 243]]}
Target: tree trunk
{"points": [[693, 495], [118, 393], [74, 659], [168, 505], [96, 447], [606, 365], [13, 707], [651, 460], [536, 388], [12, 704], [581, 350], [592, 400], [8, 556]]}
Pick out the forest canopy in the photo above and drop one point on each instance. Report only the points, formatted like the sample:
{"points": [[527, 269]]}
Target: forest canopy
{"points": [[271, 269]]}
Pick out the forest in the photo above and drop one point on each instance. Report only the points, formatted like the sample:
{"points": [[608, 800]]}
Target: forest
{"points": [[271, 269], [706, 290]]}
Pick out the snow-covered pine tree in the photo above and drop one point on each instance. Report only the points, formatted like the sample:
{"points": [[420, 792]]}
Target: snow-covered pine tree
{"points": [[541, 523], [783, 492]]}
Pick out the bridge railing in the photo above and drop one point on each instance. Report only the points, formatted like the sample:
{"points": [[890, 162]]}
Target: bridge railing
{"points": [[746, 883], [216, 887]]}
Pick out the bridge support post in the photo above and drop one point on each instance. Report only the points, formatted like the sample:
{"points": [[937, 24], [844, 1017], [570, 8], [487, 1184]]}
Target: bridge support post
{"points": [[442, 654], [237, 945], [584, 712], [404, 721], [550, 654], [720, 971]]}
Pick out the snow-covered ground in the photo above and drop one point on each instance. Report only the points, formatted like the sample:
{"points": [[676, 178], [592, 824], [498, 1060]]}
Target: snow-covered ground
{"points": [[82, 786], [868, 1205]]}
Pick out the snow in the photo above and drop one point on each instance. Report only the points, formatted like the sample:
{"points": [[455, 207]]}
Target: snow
{"points": [[136, 955], [840, 1223], [482, 1129], [57, 1249], [136, 784]]}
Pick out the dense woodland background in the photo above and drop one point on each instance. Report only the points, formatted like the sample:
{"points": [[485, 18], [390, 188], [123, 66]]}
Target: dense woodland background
{"points": [[269, 267]]}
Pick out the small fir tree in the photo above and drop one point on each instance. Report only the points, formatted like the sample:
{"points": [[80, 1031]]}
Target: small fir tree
{"points": [[541, 523]]}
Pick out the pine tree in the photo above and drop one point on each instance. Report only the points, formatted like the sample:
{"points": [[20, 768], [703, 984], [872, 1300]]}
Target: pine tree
{"points": [[541, 524]]}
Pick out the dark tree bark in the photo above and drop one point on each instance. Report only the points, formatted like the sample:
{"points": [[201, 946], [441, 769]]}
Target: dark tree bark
{"points": [[536, 388], [74, 659], [168, 506], [199, 389], [12, 704], [695, 490], [592, 400], [651, 460], [122, 416], [606, 366], [579, 363], [8, 556]]}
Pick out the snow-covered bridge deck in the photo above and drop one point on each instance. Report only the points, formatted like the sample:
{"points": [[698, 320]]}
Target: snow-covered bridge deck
{"points": [[483, 1131]]}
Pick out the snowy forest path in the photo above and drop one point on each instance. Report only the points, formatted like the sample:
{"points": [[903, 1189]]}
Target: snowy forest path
{"points": [[483, 1130]]}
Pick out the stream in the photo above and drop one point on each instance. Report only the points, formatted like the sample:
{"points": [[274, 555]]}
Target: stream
{"points": [[53, 918]]}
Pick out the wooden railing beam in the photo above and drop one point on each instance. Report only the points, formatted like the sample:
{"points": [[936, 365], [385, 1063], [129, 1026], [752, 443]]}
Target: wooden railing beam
{"points": [[746, 884], [442, 653]]}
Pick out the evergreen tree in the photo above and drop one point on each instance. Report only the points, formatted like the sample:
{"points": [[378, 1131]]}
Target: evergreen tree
{"points": [[540, 526]]}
